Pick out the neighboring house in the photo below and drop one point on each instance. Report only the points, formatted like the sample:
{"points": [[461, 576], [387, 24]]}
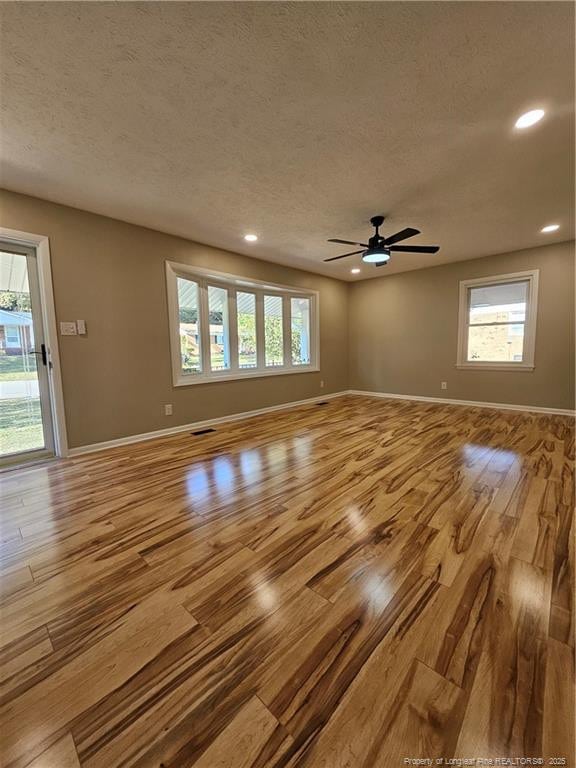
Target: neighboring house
{"points": [[16, 332], [190, 331], [497, 332]]}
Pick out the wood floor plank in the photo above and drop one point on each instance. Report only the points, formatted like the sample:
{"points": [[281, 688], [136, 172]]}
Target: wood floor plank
{"points": [[172, 710], [505, 708], [558, 731], [242, 740], [336, 722], [335, 587], [33, 718], [422, 721], [307, 699], [62, 754], [13, 579], [22, 654]]}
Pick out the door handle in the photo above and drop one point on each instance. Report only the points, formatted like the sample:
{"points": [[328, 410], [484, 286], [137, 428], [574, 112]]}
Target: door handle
{"points": [[43, 353]]}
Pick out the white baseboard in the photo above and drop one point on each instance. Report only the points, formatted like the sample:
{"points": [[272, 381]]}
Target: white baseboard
{"points": [[469, 403], [93, 447]]}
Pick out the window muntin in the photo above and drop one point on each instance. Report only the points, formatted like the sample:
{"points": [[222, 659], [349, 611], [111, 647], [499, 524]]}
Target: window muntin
{"points": [[273, 331], [231, 327], [189, 326], [246, 319], [300, 325], [498, 321]]}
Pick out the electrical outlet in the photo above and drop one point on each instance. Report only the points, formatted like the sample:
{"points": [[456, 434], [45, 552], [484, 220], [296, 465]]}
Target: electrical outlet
{"points": [[168, 409], [322, 384], [443, 385]]}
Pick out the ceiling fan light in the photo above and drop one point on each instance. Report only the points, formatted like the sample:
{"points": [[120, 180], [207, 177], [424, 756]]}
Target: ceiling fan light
{"points": [[376, 256]]}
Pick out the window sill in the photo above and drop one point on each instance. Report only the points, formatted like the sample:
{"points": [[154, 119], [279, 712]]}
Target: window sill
{"points": [[185, 381], [496, 366]]}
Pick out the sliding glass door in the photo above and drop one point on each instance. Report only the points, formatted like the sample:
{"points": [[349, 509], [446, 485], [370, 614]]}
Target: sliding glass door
{"points": [[25, 412]]}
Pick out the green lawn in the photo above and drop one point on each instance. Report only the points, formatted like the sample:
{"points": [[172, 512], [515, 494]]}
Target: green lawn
{"points": [[20, 425], [12, 368]]}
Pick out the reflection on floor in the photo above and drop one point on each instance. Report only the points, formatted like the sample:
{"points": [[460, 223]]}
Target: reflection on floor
{"points": [[345, 585]]}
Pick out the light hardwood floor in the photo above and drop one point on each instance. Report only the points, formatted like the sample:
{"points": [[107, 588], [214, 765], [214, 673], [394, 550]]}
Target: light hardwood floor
{"points": [[349, 584]]}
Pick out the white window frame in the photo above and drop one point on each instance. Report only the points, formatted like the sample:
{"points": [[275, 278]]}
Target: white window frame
{"points": [[233, 284], [527, 362]]}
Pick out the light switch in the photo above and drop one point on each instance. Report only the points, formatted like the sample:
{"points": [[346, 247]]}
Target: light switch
{"points": [[68, 329], [81, 325]]}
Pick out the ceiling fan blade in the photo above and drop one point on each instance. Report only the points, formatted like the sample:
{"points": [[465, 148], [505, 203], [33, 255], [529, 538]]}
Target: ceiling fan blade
{"points": [[415, 248], [347, 242], [404, 234], [334, 258]]}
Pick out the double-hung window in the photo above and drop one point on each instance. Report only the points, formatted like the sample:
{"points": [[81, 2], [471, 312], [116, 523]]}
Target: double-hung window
{"points": [[226, 327], [497, 324]]}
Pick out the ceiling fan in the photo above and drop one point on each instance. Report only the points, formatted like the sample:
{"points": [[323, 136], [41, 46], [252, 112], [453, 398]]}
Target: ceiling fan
{"points": [[378, 249]]}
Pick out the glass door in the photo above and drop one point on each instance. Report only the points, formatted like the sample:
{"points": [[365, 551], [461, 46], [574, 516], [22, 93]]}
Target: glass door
{"points": [[26, 430]]}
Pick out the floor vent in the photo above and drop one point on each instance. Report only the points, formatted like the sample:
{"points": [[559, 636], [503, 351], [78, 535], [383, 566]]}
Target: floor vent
{"points": [[203, 431], [324, 402]]}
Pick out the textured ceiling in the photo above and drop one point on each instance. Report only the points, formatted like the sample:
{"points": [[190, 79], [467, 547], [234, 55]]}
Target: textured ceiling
{"points": [[297, 121]]}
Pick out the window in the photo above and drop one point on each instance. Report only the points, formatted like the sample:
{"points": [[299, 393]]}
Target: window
{"points": [[12, 337], [273, 331], [226, 327], [246, 316], [188, 328], [300, 326], [218, 319], [497, 325]]}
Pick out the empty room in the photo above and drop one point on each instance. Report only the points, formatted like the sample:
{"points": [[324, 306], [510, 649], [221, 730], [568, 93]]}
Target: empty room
{"points": [[287, 397]]}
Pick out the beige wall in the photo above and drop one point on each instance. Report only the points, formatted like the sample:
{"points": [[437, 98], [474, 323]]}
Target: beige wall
{"points": [[404, 328], [112, 275], [394, 334]]}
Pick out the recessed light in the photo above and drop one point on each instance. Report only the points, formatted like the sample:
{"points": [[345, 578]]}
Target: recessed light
{"points": [[250, 238], [355, 271], [530, 118], [550, 228]]}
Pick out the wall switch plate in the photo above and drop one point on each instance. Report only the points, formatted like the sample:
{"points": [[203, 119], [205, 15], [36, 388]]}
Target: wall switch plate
{"points": [[443, 385], [68, 329], [81, 326], [168, 409], [322, 384]]}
